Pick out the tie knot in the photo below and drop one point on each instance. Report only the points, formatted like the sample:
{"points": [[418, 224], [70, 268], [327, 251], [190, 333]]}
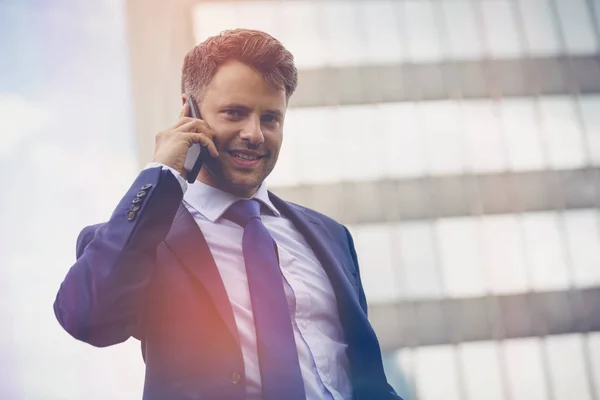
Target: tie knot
{"points": [[242, 211]]}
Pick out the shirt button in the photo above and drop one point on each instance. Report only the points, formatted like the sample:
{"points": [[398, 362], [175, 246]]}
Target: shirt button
{"points": [[235, 377]]}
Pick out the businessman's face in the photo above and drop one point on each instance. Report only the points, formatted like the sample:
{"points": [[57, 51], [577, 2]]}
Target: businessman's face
{"points": [[246, 115]]}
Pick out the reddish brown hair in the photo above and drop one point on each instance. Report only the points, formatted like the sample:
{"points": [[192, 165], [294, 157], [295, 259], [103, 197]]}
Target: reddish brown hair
{"points": [[256, 49]]}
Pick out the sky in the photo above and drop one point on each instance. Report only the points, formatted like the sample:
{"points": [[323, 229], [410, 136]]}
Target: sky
{"points": [[67, 153]]}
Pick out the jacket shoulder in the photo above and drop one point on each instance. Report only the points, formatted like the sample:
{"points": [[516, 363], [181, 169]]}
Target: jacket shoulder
{"points": [[315, 214]]}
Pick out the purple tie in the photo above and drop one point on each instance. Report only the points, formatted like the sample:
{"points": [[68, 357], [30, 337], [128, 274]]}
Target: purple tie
{"points": [[277, 352]]}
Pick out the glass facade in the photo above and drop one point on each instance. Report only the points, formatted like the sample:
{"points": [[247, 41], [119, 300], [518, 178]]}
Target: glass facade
{"points": [[466, 150]]}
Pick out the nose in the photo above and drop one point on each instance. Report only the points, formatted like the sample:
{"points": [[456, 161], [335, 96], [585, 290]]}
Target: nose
{"points": [[252, 131]]}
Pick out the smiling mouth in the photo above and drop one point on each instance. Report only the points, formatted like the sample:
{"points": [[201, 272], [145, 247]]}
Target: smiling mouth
{"points": [[244, 157]]}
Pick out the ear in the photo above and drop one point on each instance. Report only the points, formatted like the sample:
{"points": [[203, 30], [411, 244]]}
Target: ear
{"points": [[183, 98]]}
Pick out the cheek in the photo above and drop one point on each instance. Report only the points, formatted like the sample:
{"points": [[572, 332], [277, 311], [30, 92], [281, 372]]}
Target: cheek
{"points": [[221, 139], [274, 140]]}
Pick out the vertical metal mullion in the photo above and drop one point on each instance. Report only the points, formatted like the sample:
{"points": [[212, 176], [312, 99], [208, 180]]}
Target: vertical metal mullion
{"points": [[585, 335], [575, 94], [400, 15], [397, 258], [561, 207], [475, 209], [592, 384], [500, 334]]}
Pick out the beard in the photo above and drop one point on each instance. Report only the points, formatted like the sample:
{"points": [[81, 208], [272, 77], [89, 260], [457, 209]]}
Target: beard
{"points": [[224, 174]]}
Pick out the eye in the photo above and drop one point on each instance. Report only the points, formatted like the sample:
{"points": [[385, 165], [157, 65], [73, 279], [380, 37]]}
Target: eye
{"points": [[270, 119], [234, 113]]}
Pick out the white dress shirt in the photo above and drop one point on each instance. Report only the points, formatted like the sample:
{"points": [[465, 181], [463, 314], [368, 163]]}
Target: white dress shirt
{"points": [[311, 300]]}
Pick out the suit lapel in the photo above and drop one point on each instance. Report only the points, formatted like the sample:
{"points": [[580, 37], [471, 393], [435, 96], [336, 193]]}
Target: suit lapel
{"points": [[189, 245], [318, 237], [363, 350]]}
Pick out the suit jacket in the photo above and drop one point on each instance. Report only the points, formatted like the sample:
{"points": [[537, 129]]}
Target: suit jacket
{"points": [[148, 273]]}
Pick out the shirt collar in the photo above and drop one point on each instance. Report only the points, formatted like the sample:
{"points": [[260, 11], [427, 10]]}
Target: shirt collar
{"points": [[212, 202]]}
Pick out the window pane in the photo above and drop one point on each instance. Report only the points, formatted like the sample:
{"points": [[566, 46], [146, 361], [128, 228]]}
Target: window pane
{"points": [[309, 137], [590, 110], [461, 256], [540, 27], [382, 31], [461, 35], [287, 169], [486, 150], [342, 40], [443, 384], [567, 371], [404, 155], [360, 141], [443, 136], [420, 269], [521, 134], [562, 133], [386, 135], [583, 241], [482, 370], [503, 254], [301, 33], [596, 7], [212, 18], [501, 29], [545, 252], [423, 40], [261, 15], [399, 372], [374, 249], [576, 24], [594, 355], [524, 369]]}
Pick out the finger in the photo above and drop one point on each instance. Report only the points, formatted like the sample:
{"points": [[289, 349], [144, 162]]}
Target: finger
{"points": [[195, 125], [184, 111], [206, 142], [187, 125], [180, 122]]}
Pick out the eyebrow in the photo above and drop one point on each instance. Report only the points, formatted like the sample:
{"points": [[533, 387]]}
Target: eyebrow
{"points": [[275, 112]]}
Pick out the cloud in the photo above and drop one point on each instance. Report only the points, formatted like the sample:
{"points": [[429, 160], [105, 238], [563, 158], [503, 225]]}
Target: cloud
{"points": [[86, 166], [18, 120]]}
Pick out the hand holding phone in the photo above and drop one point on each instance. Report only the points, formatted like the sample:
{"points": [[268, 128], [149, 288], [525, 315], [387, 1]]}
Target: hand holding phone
{"points": [[196, 152], [186, 144]]}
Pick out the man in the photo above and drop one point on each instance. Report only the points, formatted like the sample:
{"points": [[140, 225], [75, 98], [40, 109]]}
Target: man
{"points": [[233, 292]]}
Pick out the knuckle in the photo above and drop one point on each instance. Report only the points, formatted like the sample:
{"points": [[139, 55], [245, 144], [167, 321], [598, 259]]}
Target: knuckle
{"points": [[195, 126]]}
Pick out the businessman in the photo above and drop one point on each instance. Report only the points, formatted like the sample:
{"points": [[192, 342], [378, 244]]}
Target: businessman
{"points": [[233, 292]]}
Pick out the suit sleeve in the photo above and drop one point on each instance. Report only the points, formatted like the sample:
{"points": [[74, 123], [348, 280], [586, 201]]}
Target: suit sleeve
{"points": [[103, 294]]}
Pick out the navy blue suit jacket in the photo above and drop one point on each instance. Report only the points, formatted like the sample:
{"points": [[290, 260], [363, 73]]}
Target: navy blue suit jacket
{"points": [[150, 274]]}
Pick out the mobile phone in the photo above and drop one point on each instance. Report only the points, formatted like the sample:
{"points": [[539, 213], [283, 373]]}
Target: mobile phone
{"points": [[196, 152]]}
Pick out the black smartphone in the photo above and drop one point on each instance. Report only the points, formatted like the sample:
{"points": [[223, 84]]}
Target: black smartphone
{"points": [[196, 152]]}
